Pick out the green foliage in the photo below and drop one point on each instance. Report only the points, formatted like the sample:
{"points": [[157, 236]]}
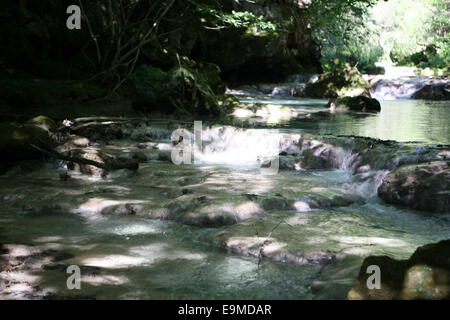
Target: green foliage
{"points": [[16, 142], [408, 32], [332, 18], [415, 32], [216, 18], [346, 32], [184, 89], [362, 54]]}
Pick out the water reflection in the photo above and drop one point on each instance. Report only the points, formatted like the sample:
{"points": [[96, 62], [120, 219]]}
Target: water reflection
{"points": [[400, 120]]}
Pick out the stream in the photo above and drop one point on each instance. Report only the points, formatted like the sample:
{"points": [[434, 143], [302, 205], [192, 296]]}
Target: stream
{"points": [[48, 224]]}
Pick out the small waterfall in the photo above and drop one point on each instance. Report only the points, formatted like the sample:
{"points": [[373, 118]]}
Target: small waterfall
{"points": [[401, 83], [401, 88], [303, 78], [233, 146], [368, 183], [386, 89], [251, 148], [349, 160]]}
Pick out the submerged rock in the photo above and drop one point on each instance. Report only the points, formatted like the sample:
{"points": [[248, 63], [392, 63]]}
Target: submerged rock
{"points": [[359, 103], [425, 275], [421, 187], [271, 239], [200, 211], [123, 209]]}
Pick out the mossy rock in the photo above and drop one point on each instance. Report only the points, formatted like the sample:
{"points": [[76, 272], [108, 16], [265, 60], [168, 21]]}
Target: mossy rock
{"points": [[44, 123], [359, 103], [338, 83], [17, 140]]}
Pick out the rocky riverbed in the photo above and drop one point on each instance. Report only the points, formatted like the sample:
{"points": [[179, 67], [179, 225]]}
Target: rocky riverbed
{"points": [[110, 199]]}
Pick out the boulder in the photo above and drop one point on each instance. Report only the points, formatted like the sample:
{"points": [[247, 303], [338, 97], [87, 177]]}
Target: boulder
{"points": [[425, 275], [273, 239], [421, 187], [358, 103], [440, 91], [204, 211]]}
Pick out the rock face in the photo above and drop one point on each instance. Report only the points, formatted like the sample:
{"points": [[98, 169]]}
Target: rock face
{"points": [[425, 187], [359, 103], [339, 83], [425, 275]]}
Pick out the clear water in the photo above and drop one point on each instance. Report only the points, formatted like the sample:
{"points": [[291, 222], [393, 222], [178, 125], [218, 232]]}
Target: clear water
{"points": [[134, 257]]}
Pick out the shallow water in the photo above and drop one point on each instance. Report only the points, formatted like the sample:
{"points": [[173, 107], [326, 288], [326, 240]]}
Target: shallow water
{"points": [[134, 257]]}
